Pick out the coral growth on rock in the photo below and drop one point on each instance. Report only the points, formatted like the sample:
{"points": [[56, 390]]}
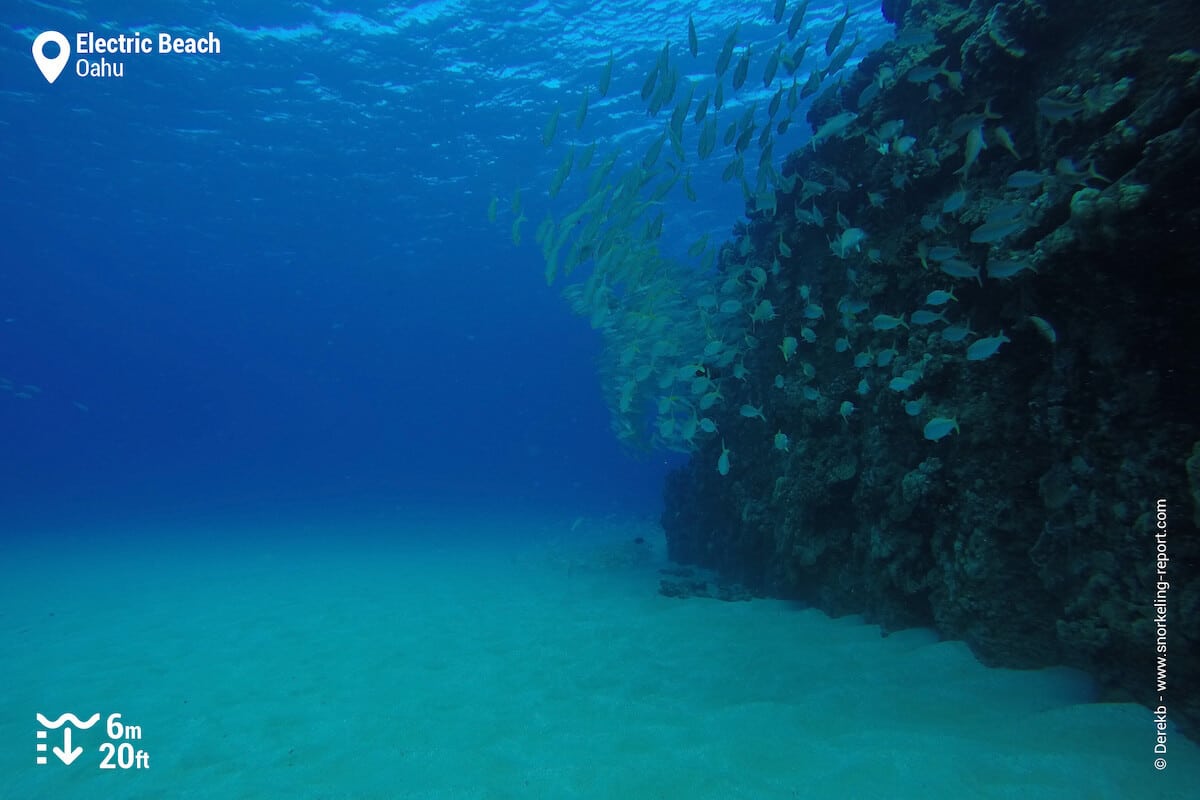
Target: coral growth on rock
{"points": [[1045, 173]]}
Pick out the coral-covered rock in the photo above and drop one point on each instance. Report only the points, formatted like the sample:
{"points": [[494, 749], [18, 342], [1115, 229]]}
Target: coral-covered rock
{"points": [[1072, 237]]}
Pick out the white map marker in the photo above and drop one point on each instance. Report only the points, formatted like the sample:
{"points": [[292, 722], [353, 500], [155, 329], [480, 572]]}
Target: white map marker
{"points": [[51, 67]]}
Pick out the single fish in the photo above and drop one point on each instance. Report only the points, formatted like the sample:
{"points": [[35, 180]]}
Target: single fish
{"points": [[835, 35], [954, 202], [1005, 140], [772, 67], [1044, 328], [727, 51], [739, 72], [834, 126], [986, 347], [1003, 269], [723, 459], [606, 75], [886, 322], [957, 268], [1056, 110], [1026, 179], [940, 427], [550, 129], [974, 146], [797, 20], [926, 317], [991, 232]]}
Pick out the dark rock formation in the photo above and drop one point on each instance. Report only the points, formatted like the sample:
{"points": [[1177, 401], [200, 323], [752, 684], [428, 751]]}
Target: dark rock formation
{"points": [[1029, 534]]}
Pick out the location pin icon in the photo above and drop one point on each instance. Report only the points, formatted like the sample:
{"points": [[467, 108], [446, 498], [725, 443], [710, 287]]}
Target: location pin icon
{"points": [[51, 67]]}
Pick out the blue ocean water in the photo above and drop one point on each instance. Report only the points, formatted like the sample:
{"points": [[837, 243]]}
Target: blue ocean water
{"points": [[266, 276]]}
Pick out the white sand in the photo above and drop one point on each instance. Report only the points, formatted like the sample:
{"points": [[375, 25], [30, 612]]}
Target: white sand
{"points": [[510, 658]]}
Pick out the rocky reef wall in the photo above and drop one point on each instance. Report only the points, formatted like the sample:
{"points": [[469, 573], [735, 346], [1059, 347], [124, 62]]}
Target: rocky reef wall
{"points": [[1027, 526]]}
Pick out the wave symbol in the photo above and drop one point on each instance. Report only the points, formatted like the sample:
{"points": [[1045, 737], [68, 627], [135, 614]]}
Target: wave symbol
{"points": [[74, 720]]}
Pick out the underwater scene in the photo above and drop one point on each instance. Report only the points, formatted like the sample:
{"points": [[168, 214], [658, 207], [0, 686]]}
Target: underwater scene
{"points": [[675, 400]]}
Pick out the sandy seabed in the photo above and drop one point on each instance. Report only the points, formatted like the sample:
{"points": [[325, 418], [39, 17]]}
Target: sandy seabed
{"points": [[509, 657]]}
